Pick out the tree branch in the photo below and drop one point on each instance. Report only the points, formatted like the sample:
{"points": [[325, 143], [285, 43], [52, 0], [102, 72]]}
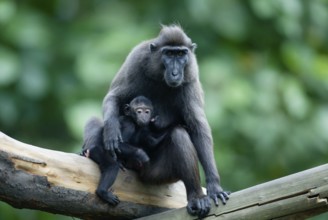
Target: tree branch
{"points": [[64, 183], [297, 196]]}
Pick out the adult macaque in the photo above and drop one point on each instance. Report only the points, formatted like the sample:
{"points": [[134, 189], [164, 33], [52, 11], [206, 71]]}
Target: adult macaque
{"points": [[165, 69]]}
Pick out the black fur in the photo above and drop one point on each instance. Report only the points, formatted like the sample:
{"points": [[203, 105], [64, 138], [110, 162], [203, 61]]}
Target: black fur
{"points": [[153, 68], [139, 125], [138, 129]]}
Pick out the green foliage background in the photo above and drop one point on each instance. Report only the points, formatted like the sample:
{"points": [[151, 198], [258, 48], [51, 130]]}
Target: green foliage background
{"points": [[263, 65]]}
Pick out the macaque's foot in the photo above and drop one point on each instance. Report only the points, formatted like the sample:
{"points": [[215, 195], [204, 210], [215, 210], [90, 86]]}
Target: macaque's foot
{"points": [[108, 197], [85, 153]]}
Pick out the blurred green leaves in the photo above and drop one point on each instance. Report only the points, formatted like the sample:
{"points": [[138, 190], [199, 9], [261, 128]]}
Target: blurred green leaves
{"points": [[263, 65], [28, 29], [78, 114], [9, 66], [7, 11]]}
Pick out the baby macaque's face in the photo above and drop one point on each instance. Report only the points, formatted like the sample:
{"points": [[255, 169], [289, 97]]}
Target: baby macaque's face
{"points": [[142, 115]]}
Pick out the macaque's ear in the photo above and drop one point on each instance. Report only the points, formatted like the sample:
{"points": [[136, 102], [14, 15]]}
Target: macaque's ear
{"points": [[193, 47], [153, 47], [127, 109]]}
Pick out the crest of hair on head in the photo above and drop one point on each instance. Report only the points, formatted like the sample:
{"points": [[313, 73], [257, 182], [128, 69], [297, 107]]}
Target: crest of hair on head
{"points": [[174, 35]]}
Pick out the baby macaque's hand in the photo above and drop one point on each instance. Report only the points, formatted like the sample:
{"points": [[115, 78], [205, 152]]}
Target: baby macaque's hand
{"points": [[154, 119], [156, 122]]}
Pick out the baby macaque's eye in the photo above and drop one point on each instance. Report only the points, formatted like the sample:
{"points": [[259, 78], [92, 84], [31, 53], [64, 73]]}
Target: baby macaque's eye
{"points": [[139, 111], [147, 111]]}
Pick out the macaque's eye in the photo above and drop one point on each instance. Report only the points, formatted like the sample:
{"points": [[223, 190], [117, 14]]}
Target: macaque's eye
{"points": [[181, 53], [139, 111], [147, 111], [169, 53]]}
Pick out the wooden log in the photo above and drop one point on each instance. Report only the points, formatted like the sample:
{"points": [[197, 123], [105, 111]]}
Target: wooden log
{"points": [[297, 196], [64, 183]]}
